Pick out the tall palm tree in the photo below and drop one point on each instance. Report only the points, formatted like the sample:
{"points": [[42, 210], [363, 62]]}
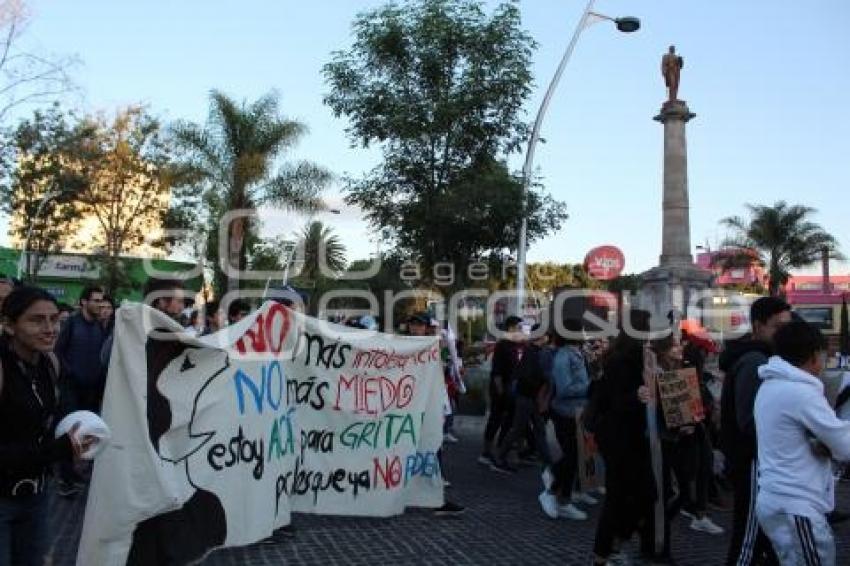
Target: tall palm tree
{"points": [[783, 238], [319, 243], [235, 155], [319, 247]]}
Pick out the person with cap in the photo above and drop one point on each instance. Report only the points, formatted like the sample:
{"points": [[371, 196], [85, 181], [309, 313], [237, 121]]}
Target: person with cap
{"points": [[506, 357]]}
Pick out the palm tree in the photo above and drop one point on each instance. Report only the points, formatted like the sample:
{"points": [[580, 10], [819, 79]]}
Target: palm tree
{"points": [[319, 247], [234, 155], [781, 236], [320, 244]]}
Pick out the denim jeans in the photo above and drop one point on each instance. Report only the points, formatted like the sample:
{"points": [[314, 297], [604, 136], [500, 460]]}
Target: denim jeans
{"points": [[23, 530]]}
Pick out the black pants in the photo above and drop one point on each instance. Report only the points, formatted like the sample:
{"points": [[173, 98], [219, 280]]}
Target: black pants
{"points": [[500, 419], [749, 545], [566, 468], [628, 491], [692, 464], [527, 422]]}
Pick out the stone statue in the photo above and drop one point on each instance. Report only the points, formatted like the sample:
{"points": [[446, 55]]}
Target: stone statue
{"points": [[671, 69]]}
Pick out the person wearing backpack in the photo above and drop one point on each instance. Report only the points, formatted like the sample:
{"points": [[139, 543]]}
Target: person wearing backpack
{"points": [[532, 381], [29, 411]]}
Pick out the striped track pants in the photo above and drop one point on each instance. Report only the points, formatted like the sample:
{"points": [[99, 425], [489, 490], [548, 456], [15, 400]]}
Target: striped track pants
{"points": [[800, 541]]}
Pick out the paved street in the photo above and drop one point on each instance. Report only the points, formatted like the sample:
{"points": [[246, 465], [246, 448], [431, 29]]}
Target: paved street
{"points": [[503, 525]]}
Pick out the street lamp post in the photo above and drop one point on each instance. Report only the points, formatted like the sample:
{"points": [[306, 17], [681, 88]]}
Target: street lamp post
{"points": [[588, 18], [24, 250]]}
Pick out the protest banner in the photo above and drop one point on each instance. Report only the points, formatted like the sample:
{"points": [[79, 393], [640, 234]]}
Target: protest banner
{"points": [[681, 401], [590, 474], [216, 440]]}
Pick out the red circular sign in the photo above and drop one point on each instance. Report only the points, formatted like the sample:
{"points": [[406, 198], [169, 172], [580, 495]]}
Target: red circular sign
{"points": [[604, 263]]}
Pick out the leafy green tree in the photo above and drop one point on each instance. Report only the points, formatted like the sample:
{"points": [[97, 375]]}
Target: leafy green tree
{"points": [[128, 165], [235, 156], [439, 86], [783, 238], [39, 184]]}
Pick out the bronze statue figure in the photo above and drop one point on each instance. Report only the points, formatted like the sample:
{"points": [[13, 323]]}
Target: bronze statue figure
{"points": [[671, 69]]}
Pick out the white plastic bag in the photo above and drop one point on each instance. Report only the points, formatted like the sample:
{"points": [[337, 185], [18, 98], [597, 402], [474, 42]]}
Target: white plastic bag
{"points": [[90, 425]]}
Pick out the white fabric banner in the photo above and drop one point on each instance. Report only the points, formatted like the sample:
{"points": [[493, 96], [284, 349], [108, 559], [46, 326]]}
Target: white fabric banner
{"points": [[215, 440]]}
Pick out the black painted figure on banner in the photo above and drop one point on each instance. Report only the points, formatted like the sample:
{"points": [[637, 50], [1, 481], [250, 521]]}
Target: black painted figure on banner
{"points": [[186, 534]]}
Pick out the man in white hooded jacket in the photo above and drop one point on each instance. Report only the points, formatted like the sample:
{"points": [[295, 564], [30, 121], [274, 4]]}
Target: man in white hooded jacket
{"points": [[798, 434]]}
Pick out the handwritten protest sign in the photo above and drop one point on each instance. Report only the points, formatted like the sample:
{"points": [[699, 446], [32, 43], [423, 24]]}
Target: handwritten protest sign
{"points": [[681, 401], [590, 475], [216, 440]]}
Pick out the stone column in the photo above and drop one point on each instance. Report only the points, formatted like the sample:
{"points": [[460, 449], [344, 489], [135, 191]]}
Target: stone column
{"points": [[676, 231]]}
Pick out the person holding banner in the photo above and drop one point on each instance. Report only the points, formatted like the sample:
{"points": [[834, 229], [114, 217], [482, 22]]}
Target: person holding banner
{"points": [[420, 324], [28, 413]]}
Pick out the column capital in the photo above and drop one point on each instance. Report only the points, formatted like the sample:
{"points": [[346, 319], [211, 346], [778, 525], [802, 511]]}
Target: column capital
{"points": [[674, 110]]}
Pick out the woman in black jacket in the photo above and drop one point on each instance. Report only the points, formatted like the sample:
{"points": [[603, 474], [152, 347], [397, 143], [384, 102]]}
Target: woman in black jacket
{"points": [[28, 411], [620, 432], [620, 427]]}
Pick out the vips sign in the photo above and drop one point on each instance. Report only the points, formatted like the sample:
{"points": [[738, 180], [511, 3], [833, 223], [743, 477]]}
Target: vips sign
{"points": [[604, 263], [216, 440]]}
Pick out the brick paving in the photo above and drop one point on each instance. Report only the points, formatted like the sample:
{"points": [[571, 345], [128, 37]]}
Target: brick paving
{"points": [[503, 525]]}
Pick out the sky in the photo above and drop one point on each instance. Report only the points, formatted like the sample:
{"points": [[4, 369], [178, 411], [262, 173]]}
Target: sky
{"points": [[767, 79]]}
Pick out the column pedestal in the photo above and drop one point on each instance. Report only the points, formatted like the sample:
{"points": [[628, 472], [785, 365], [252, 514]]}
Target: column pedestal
{"points": [[673, 283]]}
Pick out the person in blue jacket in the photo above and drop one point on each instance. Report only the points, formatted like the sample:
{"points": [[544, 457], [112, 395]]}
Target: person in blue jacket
{"points": [[570, 382]]}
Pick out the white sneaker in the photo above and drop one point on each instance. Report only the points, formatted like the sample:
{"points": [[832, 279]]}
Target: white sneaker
{"points": [[549, 504], [582, 497], [570, 511], [547, 477], [450, 438], [706, 525], [687, 514]]}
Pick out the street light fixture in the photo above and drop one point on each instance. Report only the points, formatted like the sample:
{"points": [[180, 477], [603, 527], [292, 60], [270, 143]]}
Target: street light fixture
{"points": [[589, 17]]}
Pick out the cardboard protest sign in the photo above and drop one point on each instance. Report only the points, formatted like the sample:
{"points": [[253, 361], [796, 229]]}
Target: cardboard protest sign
{"points": [[590, 474], [216, 440], [681, 401]]}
